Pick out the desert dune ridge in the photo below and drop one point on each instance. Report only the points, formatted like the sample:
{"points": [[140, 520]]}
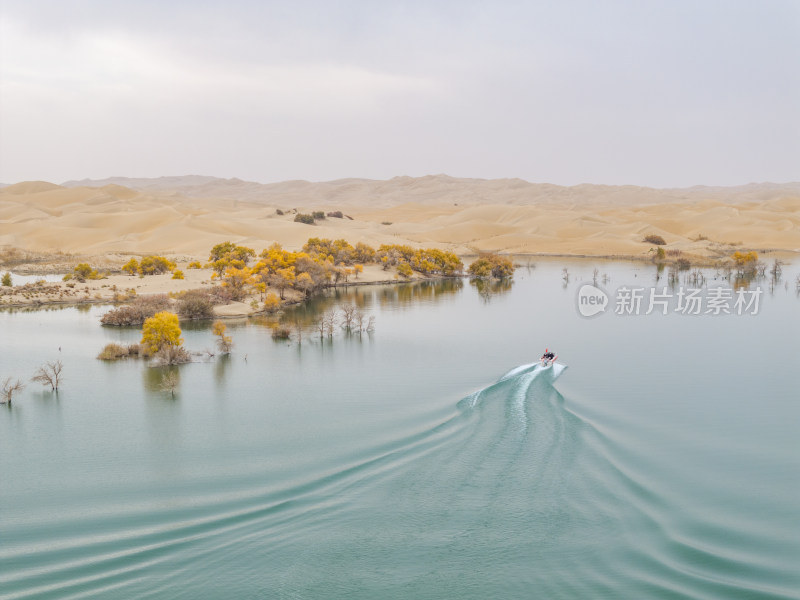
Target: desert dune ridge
{"points": [[186, 216]]}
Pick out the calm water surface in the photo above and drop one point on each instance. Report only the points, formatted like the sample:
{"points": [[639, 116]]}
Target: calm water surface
{"points": [[664, 463]]}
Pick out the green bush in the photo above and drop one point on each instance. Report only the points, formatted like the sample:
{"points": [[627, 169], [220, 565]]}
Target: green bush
{"points": [[302, 218]]}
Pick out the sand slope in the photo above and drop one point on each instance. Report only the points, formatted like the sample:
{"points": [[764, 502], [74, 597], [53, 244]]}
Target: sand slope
{"points": [[187, 216]]}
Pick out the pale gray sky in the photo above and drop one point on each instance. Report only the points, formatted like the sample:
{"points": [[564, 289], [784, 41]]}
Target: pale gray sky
{"points": [[648, 92]]}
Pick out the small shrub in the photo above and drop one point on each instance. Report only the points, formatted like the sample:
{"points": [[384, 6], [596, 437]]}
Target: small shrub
{"points": [[131, 267], [660, 254], [123, 316], [195, 304], [194, 265], [281, 333], [154, 265], [142, 308], [279, 212], [318, 215], [654, 239], [744, 258], [84, 271], [405, 270], [386, 222], [221, 295], [169, 382], [113, 352], [336, 214], [272, 302], [683, 264], [303, 218], [7, 279], [177, 274], [172, 355], [494, 265]]}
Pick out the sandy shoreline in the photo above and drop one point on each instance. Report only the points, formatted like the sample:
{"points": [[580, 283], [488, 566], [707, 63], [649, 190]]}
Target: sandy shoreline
{"points": [[119, 288], [48, 228]]}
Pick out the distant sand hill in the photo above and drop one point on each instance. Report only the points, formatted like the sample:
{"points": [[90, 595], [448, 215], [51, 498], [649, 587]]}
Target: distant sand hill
{"points": [[188, 215]]}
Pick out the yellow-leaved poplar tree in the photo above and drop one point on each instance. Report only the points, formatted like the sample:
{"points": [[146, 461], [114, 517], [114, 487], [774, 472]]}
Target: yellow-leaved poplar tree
{"points": [[224, 342], [162, 329], [131, 267], [272, 302]]}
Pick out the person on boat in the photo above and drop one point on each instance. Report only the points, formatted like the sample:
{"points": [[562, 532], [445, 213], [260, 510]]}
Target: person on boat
{"points": [[548, 356]]}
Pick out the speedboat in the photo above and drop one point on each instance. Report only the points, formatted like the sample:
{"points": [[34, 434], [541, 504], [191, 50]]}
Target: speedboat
{"points": [[548, 358]]}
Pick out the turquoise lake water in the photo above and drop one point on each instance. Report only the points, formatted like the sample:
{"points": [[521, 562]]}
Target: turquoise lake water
{"points": [[663, 463]]}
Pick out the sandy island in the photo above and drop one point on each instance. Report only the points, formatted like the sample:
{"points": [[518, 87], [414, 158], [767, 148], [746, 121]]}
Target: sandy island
{"points": [[48, 228]]}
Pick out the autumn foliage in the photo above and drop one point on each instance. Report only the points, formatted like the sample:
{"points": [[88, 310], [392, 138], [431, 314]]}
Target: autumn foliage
{"points": [[160, 330], [321, 263], [150, 265], [491, 265], [746, 262], [224, 342], [82, 272]]}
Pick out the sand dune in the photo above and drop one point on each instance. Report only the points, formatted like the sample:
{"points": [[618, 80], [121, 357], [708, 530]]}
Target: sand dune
{"points": [[187, 216]]}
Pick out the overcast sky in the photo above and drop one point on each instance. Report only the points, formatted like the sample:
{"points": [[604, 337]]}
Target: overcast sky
{"points": [[647, 92]]}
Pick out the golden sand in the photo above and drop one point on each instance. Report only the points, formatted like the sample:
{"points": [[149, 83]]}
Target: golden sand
{"points": [[463, 215]]}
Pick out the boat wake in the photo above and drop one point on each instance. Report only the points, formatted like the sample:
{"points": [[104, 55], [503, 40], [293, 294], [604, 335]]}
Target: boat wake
{"points": [[510, 492]]}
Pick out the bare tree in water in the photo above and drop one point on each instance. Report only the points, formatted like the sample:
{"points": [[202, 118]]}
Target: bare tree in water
{"points": [[8, 389], [297, 326], [49, 374], [330, 320], [348, 316], [169, 382]]}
